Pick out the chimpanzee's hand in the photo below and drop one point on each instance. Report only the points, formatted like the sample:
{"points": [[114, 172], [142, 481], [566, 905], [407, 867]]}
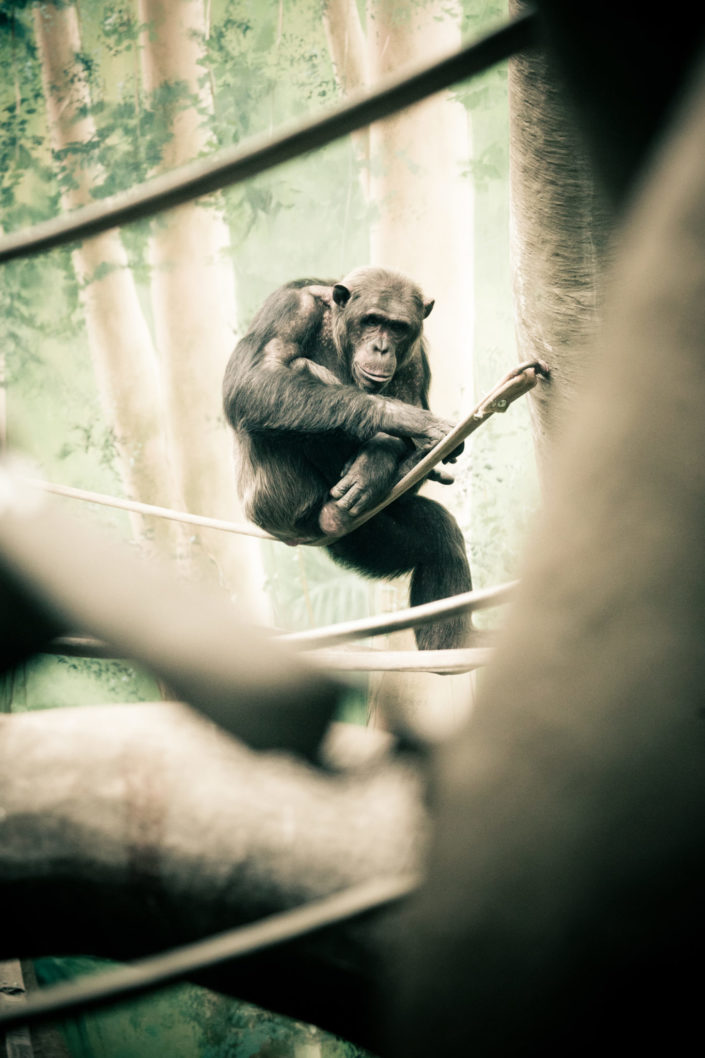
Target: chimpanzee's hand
{"points": [[436, 430], [424, 429], [455, 453], [441, 477], [365, 479]]}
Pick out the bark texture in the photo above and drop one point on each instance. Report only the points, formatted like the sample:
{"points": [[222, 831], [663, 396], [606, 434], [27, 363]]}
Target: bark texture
{"points": [[560, 239]]}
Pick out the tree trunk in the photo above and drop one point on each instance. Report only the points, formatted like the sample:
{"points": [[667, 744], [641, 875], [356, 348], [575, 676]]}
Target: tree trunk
{"points": [[129, 829], [423, 223], [193, 295], [348, 49], [566, 877], [560, 234], [119, 338]]}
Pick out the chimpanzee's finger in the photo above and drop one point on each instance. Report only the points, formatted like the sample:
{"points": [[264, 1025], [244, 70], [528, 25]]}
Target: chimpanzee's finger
{"points": [[351, 496]]}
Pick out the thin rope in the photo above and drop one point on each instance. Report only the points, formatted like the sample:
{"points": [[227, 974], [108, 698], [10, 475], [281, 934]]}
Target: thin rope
{"points": [[235, 164], [437, 661], [411, 617], [158, 970], [242, 528], [445, 661]]}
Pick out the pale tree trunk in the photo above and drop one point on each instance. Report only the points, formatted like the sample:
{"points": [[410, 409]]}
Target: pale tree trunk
{"points": [[119, 338], [193, 295], [424, 226], [423, 223], [348, 50], [423, 203], [411, 169]]}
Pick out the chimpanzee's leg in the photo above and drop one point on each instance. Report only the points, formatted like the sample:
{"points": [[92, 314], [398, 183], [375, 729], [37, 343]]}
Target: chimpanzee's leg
{"points": [[284, 484], [415, 535]]}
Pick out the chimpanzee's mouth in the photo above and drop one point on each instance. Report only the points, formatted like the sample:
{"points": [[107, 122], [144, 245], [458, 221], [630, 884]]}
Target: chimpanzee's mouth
{"points": [[375, 380]]}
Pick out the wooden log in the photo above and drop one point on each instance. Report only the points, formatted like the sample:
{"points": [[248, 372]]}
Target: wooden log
{"points": [[127, 830]]}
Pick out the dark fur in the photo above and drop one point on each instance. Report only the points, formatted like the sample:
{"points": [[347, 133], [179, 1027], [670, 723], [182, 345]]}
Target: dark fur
{"points": [[328, 396]]}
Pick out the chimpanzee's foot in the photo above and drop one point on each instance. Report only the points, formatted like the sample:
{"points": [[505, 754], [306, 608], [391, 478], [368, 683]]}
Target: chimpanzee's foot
{"points": [[333, 520]]}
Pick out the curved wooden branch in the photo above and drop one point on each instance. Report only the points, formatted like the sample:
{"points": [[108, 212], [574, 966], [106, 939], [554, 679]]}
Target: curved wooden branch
{"points": [[437, 661]]}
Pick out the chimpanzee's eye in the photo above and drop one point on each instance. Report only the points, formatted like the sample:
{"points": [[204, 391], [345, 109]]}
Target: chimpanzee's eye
{"points": [[370, 320], [398, 328]]}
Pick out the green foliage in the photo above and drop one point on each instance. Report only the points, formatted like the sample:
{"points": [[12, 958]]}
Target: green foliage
{"points": [[24, 164], [487, 166], [184, 1021], [263, 75], [481, 16], [48, 682], [119, 29]]}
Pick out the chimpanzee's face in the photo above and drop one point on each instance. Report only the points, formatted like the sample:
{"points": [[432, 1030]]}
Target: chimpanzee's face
{"points": [[380, 318], [379, 346]]}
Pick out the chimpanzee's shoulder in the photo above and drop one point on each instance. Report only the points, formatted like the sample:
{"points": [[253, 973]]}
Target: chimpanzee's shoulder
{"points": [[292, 312], [297, 284], [314, 293]]}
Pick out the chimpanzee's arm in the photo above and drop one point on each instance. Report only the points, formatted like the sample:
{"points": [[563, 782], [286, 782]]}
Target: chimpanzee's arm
{"points": [[263, 392]]}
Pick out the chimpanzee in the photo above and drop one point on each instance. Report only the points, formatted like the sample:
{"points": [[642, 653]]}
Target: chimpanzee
{"points": [[328, 396]]}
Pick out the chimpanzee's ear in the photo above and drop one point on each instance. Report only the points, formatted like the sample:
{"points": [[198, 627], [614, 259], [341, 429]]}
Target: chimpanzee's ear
{"points": [[341, 294], [427, 306]]}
